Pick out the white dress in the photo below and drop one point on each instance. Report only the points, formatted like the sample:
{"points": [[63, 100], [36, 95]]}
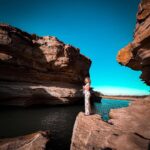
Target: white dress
{"points": [[87, 101]]}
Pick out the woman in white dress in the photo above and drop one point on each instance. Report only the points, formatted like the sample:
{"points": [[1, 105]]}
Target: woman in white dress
{"points": [[86, 89]]}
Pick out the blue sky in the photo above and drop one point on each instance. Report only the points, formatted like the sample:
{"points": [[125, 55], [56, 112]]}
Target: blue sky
{"points": [[99, 28]]}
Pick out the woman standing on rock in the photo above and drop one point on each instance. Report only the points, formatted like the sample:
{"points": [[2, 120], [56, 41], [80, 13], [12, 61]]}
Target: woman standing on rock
{"points": [[86, 89]]}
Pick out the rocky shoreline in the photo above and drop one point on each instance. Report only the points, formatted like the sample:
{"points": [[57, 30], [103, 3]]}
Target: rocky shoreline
{"points": [[129, 126], [128, 129], [124, 97]]}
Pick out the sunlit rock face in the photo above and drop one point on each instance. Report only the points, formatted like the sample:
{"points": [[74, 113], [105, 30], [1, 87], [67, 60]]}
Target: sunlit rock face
{"points": [[34, 141], [32, 67], [136, 54], [128, 129]]}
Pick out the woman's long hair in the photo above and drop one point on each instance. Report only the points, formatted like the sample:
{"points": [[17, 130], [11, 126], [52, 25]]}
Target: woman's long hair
{"points": [[87, 80]]}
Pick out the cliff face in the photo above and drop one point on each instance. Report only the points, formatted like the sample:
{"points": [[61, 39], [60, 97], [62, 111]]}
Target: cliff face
{"points": [[136, 54], [33, 67], [128, 129]]}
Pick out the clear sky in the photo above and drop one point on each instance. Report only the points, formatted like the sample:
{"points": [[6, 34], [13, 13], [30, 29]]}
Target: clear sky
{"points": [[100, 28]]}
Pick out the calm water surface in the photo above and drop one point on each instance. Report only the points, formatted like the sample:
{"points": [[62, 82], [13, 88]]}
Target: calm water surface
{"points": [[59, 120]]}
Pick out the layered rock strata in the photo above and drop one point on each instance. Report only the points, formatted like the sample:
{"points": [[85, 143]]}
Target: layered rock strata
{"points": [[39, 67]]}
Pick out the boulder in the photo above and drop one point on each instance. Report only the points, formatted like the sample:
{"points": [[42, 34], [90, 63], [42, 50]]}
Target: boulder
{"points": [[34, 141]]}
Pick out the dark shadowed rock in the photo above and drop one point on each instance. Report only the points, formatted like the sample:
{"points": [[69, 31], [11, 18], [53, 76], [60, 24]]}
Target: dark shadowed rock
{"points": [[128, 129], [34, 141], [34, 67], [136, 54]]}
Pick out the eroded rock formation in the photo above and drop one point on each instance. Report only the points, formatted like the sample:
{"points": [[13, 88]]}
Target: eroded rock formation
{"points": [[136, 54], [34, 67], [34, 141], [128, 129]]}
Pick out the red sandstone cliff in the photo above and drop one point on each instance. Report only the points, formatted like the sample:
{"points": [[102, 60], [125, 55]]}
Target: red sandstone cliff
{"points": [[33, 67], [136, 54]]}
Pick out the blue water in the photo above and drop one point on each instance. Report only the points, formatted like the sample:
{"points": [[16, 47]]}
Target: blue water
{"points": [[104, 107]]}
